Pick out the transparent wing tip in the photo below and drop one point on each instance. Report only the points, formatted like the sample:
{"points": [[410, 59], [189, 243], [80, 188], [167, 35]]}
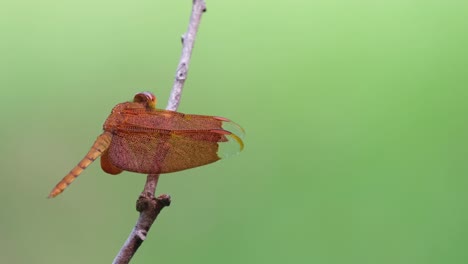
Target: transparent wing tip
{"points": [[232, 127], [234, 134]]}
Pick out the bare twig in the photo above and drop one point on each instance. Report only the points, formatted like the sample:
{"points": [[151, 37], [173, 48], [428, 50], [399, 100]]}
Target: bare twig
{"points": [[149, 206], [188, 39]]}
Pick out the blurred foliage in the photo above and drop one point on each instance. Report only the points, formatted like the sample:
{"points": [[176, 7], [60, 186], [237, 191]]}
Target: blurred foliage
{"points": [[355, 112]]}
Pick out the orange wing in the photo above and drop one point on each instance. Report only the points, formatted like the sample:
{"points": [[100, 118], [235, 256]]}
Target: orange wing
{"points": [[137, 116], [164, 141]]}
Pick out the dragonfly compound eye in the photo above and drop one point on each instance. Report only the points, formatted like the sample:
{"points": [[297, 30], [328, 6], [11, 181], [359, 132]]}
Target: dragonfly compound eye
{"points": [[148, 98]]}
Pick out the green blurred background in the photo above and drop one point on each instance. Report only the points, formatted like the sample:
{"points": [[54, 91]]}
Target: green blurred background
{"points": [[355, 112]]}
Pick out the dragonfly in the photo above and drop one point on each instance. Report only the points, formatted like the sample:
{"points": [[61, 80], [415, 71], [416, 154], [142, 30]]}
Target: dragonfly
{"points": [[140, 138]]}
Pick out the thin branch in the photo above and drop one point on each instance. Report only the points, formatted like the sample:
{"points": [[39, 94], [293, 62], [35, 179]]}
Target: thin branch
{"points": [[188, 39], [149, 206]]}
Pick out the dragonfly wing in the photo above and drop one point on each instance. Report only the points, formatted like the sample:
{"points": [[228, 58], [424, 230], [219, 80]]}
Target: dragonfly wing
{"points": [[164, 151], [171, 120]]}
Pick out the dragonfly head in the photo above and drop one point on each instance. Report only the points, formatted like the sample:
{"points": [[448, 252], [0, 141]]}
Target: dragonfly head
{"points": [[146, 98]]}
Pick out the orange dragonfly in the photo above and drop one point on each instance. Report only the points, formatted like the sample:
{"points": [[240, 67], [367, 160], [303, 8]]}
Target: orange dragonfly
{"points": [[139, 138]]}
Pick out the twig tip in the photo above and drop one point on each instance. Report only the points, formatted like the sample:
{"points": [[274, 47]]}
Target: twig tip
{"points": [[164, 199]]}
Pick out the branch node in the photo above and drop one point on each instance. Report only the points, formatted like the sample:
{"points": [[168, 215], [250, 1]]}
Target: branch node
{"points": [[182, 72], [164, 200], [142, 203]]}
